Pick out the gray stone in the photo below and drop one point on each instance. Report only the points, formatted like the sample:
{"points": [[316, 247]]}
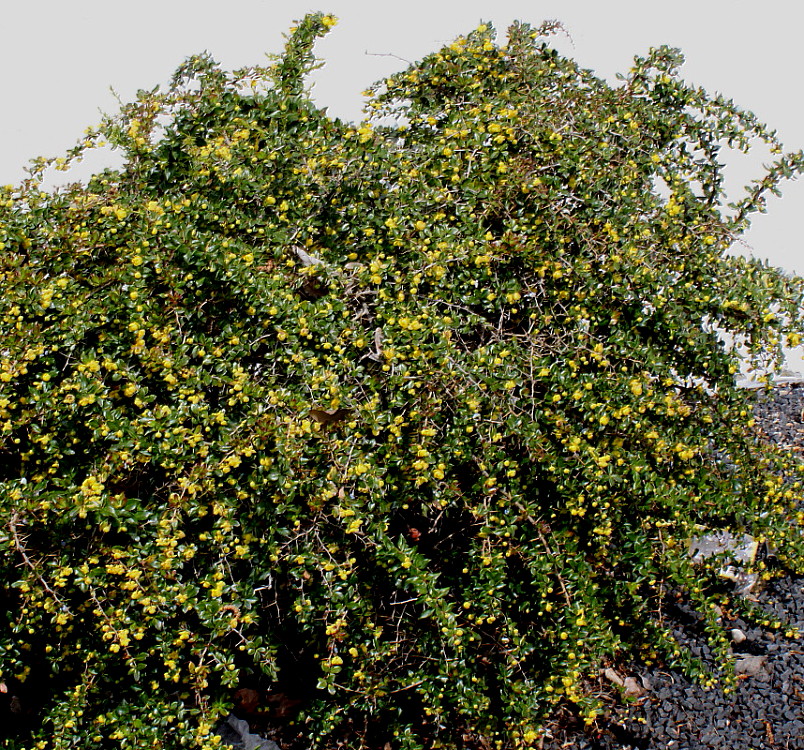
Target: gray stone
{"points": [[737, 551], [750, 666], [235, 732], [741, 550]]}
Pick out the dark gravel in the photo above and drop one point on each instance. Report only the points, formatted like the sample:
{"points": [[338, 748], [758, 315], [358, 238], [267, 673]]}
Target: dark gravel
{"points": [[766, 708]]}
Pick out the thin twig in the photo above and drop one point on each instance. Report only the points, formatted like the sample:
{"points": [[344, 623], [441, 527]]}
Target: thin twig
{"points": [[387, 54], [19, 544], [548, 550]]}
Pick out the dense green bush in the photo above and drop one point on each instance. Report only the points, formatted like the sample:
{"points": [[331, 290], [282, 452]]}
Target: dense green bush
{"points": [[412, 421]]}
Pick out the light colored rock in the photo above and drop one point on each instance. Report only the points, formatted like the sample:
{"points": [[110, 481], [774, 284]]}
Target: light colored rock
{"points": [[612, 676], [741, 550], [750, 666], [737, 550], [633, 689], [737, 635], [249, 741]]}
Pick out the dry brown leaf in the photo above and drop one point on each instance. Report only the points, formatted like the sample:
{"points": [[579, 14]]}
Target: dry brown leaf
{"points": [[323, 416]]}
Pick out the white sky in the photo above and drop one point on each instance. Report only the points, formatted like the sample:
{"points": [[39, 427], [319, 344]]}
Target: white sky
{"points": [[59, 59]]}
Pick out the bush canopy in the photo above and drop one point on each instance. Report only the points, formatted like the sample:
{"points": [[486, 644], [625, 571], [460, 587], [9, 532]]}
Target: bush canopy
{"points": [[411, 420]]}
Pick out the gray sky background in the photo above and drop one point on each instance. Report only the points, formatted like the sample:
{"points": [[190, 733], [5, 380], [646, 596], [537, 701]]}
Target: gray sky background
{"points": [[59, 59]]}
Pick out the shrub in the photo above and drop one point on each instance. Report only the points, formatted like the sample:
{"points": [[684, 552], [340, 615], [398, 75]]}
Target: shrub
{"points": [[412, 421]]}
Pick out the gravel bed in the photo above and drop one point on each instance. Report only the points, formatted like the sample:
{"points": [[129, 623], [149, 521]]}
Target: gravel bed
{"points": [[766, 709]]}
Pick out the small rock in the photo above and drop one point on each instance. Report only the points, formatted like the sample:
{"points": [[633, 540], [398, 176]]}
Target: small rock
{"points": [[737, 635], [744, 583], [742, 549], [632, 688], [236, 732], [750, 666], [612, 676]]}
